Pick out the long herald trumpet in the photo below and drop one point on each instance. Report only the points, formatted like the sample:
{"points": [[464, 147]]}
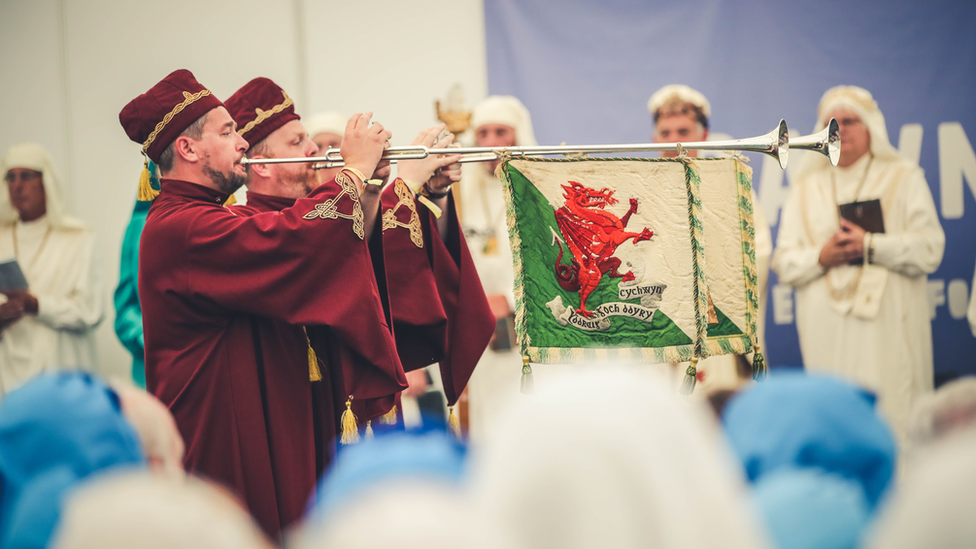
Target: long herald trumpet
{"points": [[775, 143], [825, 142]]}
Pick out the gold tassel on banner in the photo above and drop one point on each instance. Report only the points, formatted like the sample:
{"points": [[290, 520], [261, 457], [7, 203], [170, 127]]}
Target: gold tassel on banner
{"points": [[350, 430], [146, 192], [758, 366], [369, 430], [453, 424], [691, 376], [314, 372], [527, 385], [389, 418]]}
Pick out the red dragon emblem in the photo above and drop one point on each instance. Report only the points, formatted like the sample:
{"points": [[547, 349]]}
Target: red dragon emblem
{"points": [[592, 235]]}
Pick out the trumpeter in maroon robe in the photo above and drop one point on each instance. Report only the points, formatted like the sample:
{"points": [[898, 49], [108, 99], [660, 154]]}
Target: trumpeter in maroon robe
{"points": [[440, 312], [209, 280]]}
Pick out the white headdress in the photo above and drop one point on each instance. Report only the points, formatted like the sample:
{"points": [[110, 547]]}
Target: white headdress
{"points": [[559, 471], [138, 509], [326, 122], [860, 102], [507, 110], [675, 97], [34, 157]]}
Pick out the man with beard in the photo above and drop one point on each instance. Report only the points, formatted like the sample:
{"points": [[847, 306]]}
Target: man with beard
{"points": [[435, 276], [206, 277]]}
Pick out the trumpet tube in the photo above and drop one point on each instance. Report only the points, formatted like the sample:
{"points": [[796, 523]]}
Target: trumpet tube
{"points": [[776, 144], [825, 142]]}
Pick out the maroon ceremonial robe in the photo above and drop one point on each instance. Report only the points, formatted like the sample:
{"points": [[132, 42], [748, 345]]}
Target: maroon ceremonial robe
{"points": [[440, 312], [211, 284], [341, 371]]}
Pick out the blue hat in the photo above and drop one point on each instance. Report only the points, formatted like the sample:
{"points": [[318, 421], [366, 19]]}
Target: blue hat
{"points": [[812, 509], [794, 420], [432, 455], [55, 431]]}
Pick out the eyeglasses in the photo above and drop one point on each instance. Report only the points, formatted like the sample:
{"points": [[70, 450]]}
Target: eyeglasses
{"points": [[23, 176], [849, 122]]}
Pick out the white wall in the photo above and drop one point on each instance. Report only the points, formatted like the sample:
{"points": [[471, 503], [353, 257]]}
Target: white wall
{"points": [[69, 66]]}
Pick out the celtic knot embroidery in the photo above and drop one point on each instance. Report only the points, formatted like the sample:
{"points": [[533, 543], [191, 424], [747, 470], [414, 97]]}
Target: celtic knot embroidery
{"points": [[330, 208], [390, 216]]}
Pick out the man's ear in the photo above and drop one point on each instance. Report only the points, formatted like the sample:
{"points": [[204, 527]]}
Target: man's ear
{"points": [[186, 149], [261, 170]]}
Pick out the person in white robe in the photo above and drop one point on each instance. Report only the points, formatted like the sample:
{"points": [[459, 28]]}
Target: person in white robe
{"points": [[49, 325], [681, 114], [868, 323], [498, 121]]}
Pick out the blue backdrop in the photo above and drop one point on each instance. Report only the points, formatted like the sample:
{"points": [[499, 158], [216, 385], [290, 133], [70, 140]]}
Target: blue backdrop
{"points": [[585, 70]]}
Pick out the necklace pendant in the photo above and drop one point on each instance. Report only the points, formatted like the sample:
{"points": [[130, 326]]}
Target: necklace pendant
{"points": [[491, 245]]}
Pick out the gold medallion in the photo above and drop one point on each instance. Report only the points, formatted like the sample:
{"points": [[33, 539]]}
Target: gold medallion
{"points": [[491, 245]]}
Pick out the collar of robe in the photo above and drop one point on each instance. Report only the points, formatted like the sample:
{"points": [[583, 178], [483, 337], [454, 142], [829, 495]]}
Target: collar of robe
{"points": [[266, 202], [192, 190]]}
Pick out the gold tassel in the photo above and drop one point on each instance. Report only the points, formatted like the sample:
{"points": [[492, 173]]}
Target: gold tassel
{"points": [[691, 377], [527, 385], [453, 424], [231, 200], [369, 430], [389, 418], [314, 373], [350, 431], [758, 366], [146, 192]]}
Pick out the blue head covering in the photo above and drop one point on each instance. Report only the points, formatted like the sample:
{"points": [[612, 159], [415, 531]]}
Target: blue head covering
{"points": [[55, 431], [430, 455], [798, 421], [812, 509]]}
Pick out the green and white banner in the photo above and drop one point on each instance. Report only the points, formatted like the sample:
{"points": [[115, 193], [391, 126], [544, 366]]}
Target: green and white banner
{"points": [[610, 258]]}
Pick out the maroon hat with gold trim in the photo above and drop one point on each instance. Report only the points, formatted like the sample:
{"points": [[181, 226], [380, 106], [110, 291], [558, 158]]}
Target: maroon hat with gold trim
{"points": [[259, 108], [156, 118]]}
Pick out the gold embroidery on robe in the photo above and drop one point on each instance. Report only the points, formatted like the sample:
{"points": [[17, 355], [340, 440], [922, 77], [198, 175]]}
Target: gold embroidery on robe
{"points": [[390, 220], [330, 208]]}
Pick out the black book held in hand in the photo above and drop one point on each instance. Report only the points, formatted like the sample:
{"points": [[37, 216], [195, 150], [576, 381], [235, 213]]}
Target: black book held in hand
{"points": [[866, 215], [11, 277]]}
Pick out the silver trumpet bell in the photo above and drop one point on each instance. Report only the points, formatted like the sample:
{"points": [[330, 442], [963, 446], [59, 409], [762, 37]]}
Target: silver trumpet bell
{"points": [[825, 142]]}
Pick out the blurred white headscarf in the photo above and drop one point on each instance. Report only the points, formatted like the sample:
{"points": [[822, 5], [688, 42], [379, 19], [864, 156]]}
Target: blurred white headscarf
{"points": [[860, 102], [34, 157], [405, 514], [675, 97], [613, 457], [153, 512], [933, 505], [951, 408], [326, 122], [507, 110]]}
